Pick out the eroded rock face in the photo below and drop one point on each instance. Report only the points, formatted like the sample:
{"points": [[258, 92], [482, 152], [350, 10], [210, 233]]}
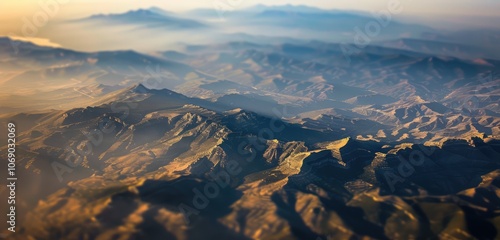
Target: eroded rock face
{"points": [[198, 180]]}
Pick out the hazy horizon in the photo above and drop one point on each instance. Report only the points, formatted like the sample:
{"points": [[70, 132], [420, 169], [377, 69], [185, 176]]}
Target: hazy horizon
{"points": [[447, 15], [452, 10], [480, 8]]}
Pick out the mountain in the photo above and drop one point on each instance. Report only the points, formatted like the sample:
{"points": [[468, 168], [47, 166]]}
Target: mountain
{"points": [[313, 21], [285, 8], [72, 78], [153, 17], [440, 48], [152, 154], [479, 38], [20, 55], [139, 121], [303, 78], [377, 84], [303, 23]]}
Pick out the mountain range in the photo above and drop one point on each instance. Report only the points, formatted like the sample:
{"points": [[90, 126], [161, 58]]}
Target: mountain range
{"points": [[152, 17], [264, 24], [295, 182], [280, 129]]}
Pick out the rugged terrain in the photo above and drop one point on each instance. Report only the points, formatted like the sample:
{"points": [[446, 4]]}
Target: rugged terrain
{"points": [[300, 139]]}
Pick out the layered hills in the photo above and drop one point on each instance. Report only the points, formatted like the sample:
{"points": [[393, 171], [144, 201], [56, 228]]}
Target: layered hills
{"points": [[254, 136]]}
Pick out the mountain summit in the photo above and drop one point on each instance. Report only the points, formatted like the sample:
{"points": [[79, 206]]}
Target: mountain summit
{"points": [[152, 17]]}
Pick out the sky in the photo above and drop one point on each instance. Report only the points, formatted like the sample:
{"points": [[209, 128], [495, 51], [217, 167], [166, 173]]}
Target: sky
{"points": [[18, 8]]}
